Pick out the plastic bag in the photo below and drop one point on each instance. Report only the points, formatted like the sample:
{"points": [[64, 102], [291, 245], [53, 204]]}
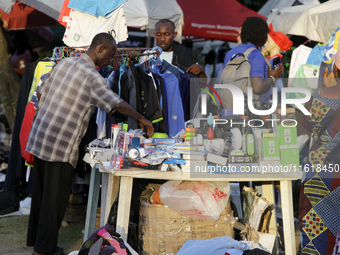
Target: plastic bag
{"points": [[25, 206], [196, 199]]}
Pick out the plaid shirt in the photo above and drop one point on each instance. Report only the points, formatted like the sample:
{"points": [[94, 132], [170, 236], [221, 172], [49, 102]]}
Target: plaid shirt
{"points": [[69, 94]]}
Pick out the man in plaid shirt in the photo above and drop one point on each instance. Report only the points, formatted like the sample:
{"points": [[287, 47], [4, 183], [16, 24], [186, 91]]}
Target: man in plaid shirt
{"points": [[67, 98]]}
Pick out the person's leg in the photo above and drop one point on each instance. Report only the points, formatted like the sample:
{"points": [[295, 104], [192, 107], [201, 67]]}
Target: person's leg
{"points": [[37, 192], [57, 188]]}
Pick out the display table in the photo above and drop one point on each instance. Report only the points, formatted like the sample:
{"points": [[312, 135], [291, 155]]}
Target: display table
{"points": [[121, 181]]}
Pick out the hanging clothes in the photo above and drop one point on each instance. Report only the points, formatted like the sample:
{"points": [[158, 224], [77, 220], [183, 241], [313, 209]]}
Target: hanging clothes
{"points": [[26, 125], [96, 7], [41, 68], [189, 93], [16, 170], [161, 125], [173, 102], [154, 91], [184, 86], [132, 123], [81, 27], [64, 15], [146, 92]]}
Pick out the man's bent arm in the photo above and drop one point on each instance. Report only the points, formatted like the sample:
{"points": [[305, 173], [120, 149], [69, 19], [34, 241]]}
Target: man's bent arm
{"points": [[124, 108]]}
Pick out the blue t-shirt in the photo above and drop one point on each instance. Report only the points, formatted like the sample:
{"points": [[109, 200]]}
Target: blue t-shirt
{"points": [[258, 66]]}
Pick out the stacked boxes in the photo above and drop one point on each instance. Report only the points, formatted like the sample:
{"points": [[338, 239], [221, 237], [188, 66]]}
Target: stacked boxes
{"points": [[281, 149]]}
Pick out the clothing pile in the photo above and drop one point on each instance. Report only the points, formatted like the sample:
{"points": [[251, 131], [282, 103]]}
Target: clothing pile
{"points": [[105, 241]]}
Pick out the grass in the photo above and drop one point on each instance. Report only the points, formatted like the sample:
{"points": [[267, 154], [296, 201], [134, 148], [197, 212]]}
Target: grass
{"points": [[13, 230], [13, 234]]}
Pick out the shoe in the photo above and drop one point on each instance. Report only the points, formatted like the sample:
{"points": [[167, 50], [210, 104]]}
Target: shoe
{"points": [[59, 251]]}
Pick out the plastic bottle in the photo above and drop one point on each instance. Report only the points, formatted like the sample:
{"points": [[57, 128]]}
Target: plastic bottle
{"points": [[114, 137], [190, 133], [210, 134], [210, 120]]}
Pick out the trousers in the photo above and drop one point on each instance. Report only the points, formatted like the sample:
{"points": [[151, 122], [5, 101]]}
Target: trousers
{"points": [[52, 183]]}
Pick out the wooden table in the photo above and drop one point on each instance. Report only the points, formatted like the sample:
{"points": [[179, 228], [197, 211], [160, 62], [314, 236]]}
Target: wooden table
{"points": [[121, 181]]}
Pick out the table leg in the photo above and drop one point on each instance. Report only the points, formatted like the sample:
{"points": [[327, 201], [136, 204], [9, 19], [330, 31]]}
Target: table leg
{"points": [[288, 217], [268, 192], [111, 194], [103, 198], [124, 203], [92, 203]]}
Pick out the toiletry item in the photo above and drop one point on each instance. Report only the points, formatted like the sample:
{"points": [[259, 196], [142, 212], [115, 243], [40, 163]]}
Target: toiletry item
{"points": [[210, 134], [114, 135], [210, 120]]}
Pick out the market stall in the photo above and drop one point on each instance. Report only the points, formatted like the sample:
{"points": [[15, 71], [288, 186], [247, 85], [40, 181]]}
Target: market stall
{"points": [[208, 150]]}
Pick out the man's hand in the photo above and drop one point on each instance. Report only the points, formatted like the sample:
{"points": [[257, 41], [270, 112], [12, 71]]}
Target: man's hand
{"points": [[328, 80], [146, 123], [277, 72], [126, 109], [195, 69]]}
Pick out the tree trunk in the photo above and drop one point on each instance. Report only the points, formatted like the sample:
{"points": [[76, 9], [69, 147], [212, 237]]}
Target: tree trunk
{"points": [[9, 83]]}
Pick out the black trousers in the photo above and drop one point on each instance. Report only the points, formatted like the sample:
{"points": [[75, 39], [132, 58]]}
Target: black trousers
{"points": [[50, 195]]}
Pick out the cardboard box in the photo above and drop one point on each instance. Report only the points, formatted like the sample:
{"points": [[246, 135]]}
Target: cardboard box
{"points": [[290, 158], [287, 136], [271, 148], [163, 231]]}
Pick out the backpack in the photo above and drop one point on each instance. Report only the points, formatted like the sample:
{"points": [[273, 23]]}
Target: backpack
{"points": [[237, 72]]}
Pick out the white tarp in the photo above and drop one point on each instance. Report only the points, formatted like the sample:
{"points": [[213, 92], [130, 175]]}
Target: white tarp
{"points": [[318, 23], [283, 19], [51, 8], [6, 5], [145, 14], [279, 4]]}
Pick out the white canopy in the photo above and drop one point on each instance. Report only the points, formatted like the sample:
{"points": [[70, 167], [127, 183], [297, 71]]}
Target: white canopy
{"points": [[283, 19], [318, 23], [146, 13], [279, 4]]}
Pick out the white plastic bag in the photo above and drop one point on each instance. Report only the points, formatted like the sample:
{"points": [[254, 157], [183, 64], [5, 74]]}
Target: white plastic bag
{"points": [[196, 199], [25, 206]]}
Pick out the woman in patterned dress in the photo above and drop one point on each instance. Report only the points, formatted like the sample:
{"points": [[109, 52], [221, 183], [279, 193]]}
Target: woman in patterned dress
{"points": [[319, 217]]}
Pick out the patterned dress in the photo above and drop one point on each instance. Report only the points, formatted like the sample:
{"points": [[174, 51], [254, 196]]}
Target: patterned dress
{"points": [[319, 216]]}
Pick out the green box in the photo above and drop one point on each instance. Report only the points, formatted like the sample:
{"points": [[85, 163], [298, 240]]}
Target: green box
{"points": [[287, 136], [290, 158], [271, 148]]}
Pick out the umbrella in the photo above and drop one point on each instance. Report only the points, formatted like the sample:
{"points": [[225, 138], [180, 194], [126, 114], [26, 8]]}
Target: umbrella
{"points": [[318, 23], [51, 8], [22, 16], [214, 19], [279, 4], [283, 19], [146, 13]]}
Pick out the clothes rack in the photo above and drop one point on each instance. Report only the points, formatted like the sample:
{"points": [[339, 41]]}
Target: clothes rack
{"points": [[130, 52]]}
